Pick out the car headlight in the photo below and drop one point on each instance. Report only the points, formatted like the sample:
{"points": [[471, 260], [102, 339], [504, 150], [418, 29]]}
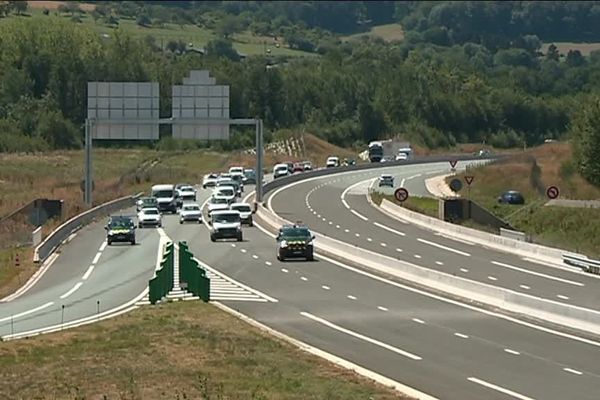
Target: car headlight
{"points": [[284, 244], [239, 228], [309, 243], [111, 232]]}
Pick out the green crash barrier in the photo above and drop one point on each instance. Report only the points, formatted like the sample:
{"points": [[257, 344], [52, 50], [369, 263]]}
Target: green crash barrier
{"points": [[162, 283], [192, 274]]}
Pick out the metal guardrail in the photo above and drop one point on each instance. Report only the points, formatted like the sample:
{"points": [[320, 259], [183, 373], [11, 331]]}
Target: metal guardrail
{"points": [[60, 234], [585, 263], [516, 235], [276, 183]]}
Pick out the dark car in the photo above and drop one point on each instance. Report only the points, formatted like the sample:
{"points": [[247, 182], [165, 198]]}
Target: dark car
{"points": [[298, 167], [294, 241], [511, 197], [120, 229]]}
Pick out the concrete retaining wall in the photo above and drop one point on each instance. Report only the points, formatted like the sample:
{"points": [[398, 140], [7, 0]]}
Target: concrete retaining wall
{"points": [[524, 249], [555, 312], [60, 234]]}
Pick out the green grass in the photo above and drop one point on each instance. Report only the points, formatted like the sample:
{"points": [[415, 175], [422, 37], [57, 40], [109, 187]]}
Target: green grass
{"points": [[244, 42], [183, 350], [388, 32]]}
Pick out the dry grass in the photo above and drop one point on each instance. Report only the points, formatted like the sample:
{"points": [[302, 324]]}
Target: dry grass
{"points": [[568, 228], [564, 47], [388, 32], [185, 350], [53, 5]]}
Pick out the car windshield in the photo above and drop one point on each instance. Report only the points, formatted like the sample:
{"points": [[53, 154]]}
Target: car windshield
{"points": [[226, 191], [279, 169], [218, 200], [187, 189], [151, 211], [120, 223], [242, 208], [296, 232], [226, 218], [191, 208], [163, 193]]}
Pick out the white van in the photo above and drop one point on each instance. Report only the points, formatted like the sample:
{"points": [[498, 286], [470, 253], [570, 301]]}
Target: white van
{"points": [[280, 170], [332, 162], [166, 197]]}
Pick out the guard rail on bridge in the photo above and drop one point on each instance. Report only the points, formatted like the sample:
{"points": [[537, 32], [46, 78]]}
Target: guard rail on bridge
{"points": [[585, 263]]}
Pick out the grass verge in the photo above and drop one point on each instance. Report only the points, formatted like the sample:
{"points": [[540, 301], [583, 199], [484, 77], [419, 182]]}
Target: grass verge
{"points": [[184, 350], [423, 205], [574, 229]]}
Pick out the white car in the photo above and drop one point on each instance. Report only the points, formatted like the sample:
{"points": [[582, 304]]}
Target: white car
{"points": [[226, 224], [332, 162], [209, 180], [245, 212], [228, 192], [386, 180], [280, 170], [149, 216], [187, 193], [401, 156], [236, 170], [190, 212], [217, 203]]}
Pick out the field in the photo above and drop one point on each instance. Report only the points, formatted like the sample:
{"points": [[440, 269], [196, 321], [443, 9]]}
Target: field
{"points": [[569, 228], [423, 205], [388, 32], [564, 47], [244, 42], [183, 350]]}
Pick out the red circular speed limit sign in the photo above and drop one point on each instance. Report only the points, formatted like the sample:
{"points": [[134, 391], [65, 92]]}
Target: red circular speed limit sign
{"points": [[552, 192], [401, 194]]}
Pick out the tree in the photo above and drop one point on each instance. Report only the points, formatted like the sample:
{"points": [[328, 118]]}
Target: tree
{"points": [[222, 48], [19, 6], [228, 26], [585, 130], [552, 53], [143, 20], [575, 59], [57, 131]]}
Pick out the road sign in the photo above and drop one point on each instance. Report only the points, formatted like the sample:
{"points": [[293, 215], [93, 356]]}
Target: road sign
{"points": [[456, 185], [552, 192], [401, 194], [469, 179], [453, 163]]}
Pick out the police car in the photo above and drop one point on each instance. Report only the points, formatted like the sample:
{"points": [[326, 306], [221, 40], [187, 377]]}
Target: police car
{"points": [[294, 241], [120, 228]]}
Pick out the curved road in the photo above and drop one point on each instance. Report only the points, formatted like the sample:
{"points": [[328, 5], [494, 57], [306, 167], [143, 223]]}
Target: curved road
{"points": [[441, 347]]}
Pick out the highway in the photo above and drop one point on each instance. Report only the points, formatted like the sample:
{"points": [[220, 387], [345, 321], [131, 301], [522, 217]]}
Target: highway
{"points": [[444, 348], [338, 207]]}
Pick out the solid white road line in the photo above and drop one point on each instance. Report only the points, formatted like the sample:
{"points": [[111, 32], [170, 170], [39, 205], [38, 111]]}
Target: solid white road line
{"points": [[72, 290], [526, 271], [88, 272], [511, 351], [440, 246], [573, 371], [27, 312], [402, 182], [461, 335], [359, 215], [345, 204], [499, 389], [360, 336], [387, 228], [96, 258], [32, 281], [103, 245], [419, 321]]}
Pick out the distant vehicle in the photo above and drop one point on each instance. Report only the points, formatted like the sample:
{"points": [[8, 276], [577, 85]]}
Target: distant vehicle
{"points": [[290, 166], [483, 153], [146, 202], [190, 212], [230, 182], [239, 178], [307, 165], [294, 241], [386, 180], [511, 197], [245, 212], [226, 224], [209, 180], [236, 170], [249, 177], [348, 162], [187, 193], [149, 216], [216, 203], [332, 162], [388, 148], [120, 228], [401, 157], [166, 197], [387, 159], [280, 170], [228, 192], [298, 167]]}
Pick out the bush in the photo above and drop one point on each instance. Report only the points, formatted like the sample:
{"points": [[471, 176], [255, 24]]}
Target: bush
{"points": [[57, 131]]}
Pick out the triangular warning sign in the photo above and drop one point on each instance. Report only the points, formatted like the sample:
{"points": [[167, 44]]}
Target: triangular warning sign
{"points": [[453, 163], [469, 179]]}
